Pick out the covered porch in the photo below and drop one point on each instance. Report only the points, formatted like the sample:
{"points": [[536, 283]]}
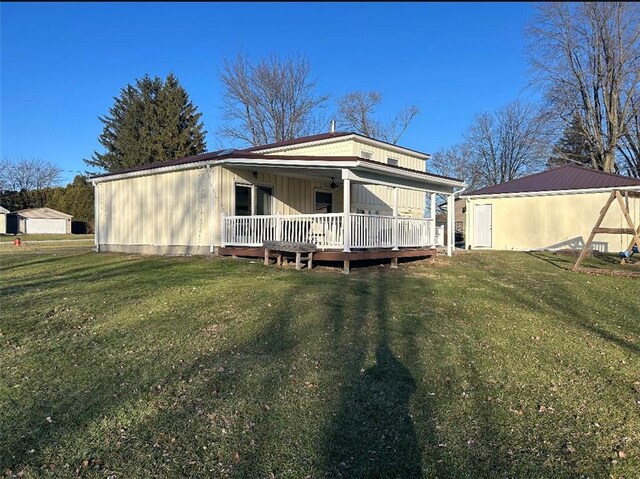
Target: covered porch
{"points": [[352, 229]]}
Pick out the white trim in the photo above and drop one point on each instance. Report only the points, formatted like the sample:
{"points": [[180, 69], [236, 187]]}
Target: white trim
{"points": [[352, 137], [293, 163], [552, 193]]}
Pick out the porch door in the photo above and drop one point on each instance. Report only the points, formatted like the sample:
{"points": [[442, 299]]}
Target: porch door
{"points": [[324, 202], [483, 226]]}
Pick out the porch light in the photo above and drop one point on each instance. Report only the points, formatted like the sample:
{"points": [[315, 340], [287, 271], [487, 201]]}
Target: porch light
{"points": [[333, 185]]}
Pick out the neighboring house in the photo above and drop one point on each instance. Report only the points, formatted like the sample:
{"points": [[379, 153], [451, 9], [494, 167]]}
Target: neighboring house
{"points": [[3, 220], [341, 191], [43, 220], [552, 210]]}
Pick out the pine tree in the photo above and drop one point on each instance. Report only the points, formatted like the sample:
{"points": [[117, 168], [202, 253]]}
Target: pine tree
{"points": [[573, 147], [151, 121]]}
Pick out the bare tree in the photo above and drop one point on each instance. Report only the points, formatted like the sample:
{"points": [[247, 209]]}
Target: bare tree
{"points": [[357, 112], [587, 59], [629, 146], [455, 162], [29, 176], [269, 100], [507, 144]]}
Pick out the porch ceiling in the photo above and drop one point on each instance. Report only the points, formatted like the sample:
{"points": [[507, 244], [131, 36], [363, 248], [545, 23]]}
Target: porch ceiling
{"points": [[357, 172]]}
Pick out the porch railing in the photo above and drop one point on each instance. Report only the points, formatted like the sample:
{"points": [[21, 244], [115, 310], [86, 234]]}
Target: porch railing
{"points": [[326, 230]]}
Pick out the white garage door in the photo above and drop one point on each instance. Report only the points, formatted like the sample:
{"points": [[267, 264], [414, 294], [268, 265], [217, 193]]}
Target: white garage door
{"points": [[483, 226], [46, 226]]}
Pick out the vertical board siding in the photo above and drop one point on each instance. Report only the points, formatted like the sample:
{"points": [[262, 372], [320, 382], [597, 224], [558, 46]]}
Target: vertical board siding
{"points": [[553, 221], [159, 209], [373, 197]]}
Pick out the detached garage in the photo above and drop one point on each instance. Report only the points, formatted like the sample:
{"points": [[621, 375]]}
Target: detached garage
{"points": [[43, 220], [3, 220], [552, 210]]}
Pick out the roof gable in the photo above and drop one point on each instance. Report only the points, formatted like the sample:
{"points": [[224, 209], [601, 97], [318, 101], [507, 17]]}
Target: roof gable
{"points": [[43, 213], [563, 178], [334, 136]]}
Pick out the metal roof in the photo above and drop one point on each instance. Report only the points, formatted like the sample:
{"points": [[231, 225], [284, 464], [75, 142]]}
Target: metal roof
{"points": [[563, 178]]}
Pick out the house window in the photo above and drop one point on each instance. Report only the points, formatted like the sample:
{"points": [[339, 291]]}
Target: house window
{"points": [[367, 155], [324, 202], [392, 161], [253, 200], [263, 200]]}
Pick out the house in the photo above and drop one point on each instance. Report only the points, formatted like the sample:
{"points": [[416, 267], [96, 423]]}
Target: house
{"points": [[3, 220], [551, 210], [42, 220], [343, 192]]}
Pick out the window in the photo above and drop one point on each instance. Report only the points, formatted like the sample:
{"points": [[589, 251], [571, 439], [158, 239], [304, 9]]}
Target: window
{"points": [[256, 200], [243, 200], [324, 202], [392, 161], [263, 200], [367, 155]]}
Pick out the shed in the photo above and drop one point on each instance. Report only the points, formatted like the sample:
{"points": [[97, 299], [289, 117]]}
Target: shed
{"points": [[43, 220], [3, 220], [552, 210]]}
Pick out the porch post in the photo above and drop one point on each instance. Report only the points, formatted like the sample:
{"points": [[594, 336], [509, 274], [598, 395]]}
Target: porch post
{"points": [[346, 205], [394, 232], [433, 219], [451, 240]]}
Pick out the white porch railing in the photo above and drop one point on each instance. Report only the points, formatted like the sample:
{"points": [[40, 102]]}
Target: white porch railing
{"points": [[326, 230]]}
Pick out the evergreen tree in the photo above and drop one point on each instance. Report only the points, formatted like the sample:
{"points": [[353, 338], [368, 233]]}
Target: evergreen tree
{"points": [[573, 147], [75, 199], [149, 122]]}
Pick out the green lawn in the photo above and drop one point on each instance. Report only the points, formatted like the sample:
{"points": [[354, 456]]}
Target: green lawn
{"points": [[501, 365]]}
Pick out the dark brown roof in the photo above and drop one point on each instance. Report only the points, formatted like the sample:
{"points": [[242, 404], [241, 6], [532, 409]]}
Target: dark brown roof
{"points": [[243, 154], [569, 177]]}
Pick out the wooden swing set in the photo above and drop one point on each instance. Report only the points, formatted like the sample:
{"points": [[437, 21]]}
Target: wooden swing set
{"points": [[631, 230]]}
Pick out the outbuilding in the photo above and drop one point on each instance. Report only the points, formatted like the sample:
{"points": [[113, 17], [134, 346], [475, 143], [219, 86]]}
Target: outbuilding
{"points": [[43, 220], [552, 210], [3, 220]]}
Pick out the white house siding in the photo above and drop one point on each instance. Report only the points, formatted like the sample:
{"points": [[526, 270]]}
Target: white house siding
{"points": [[3, 223], [371, 198], [552, 221], [160, 210]]}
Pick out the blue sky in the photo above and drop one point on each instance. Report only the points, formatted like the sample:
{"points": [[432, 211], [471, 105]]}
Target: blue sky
{"points": [[62, 64]]}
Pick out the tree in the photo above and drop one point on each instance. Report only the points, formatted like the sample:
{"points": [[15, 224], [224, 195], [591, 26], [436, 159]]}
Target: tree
{"points": [[629, 147], [357, 112], [27, 183], [455, 162], [75, 199], [572, 147], [151, 121], [587, 57], [506, 144], [269, 100]]}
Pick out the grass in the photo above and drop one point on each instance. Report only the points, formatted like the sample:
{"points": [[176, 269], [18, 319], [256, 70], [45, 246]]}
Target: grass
{"points": [[485, 365], [45, 237]]}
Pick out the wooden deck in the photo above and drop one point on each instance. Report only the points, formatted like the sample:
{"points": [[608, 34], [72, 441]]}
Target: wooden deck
{"points": [[340, 256]]}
